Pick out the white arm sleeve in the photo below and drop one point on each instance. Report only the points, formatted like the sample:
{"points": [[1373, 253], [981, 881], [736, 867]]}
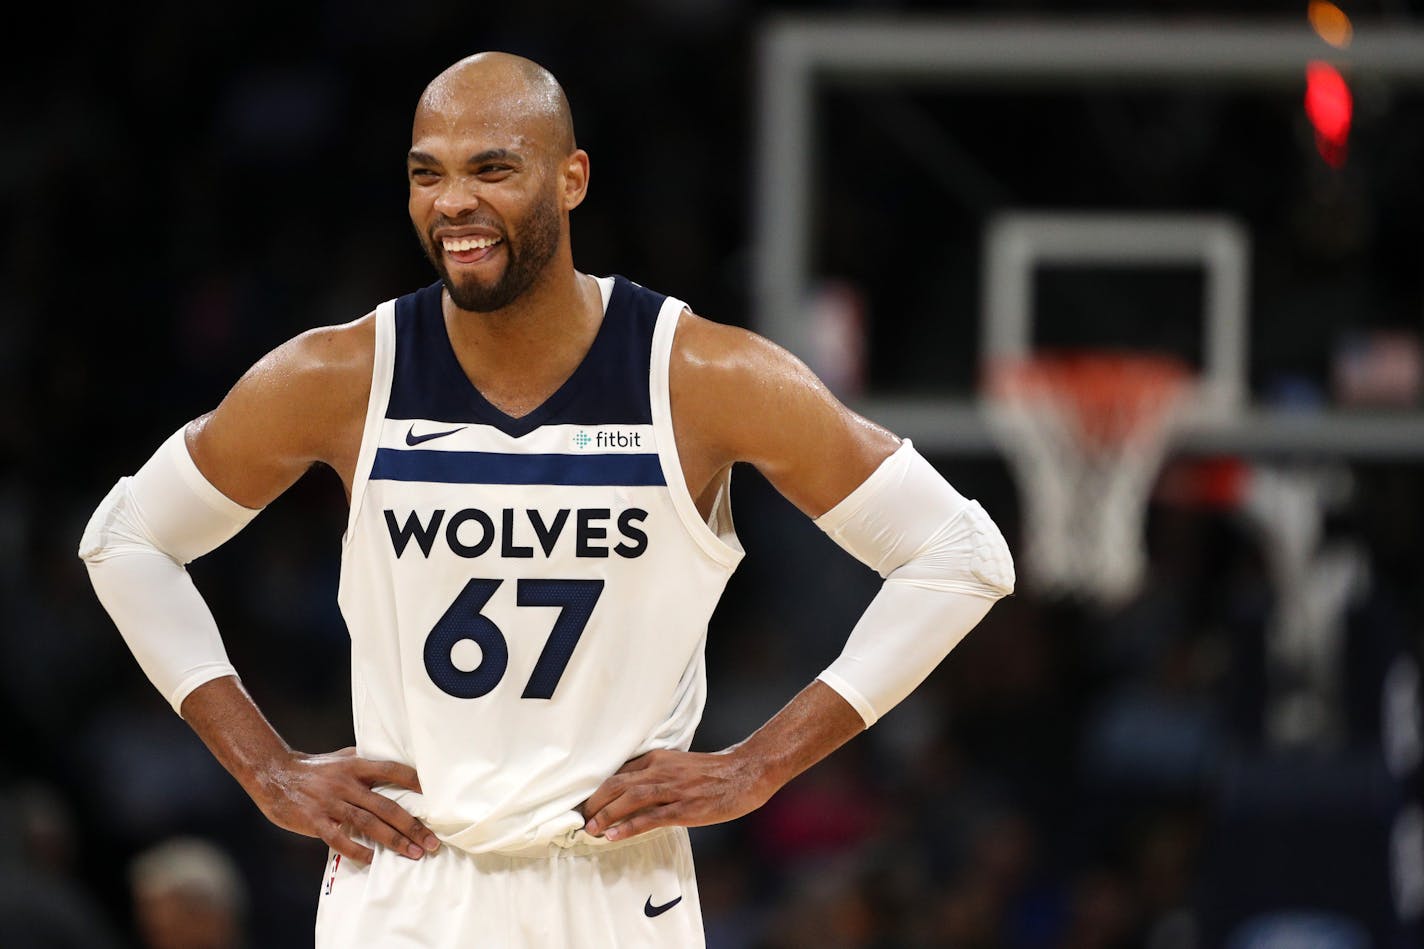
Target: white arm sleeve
{"points": [[135, 546], [944, 564]]}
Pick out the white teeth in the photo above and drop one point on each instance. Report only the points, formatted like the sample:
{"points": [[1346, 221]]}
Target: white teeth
{"points": [[469, 243]]}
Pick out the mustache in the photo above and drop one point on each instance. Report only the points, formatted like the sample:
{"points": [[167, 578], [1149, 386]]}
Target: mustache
{"points": [[470, 220]]}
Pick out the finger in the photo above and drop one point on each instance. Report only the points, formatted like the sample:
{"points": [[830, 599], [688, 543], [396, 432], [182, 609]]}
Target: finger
{"points": [[631, 801], [390, 772], [378, 831], [596, 809], [636, 764], [606, 792], [644, 821], [338, 840], [399, 818]]}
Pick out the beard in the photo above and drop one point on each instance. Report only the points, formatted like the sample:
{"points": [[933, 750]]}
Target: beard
{"points": [[525, 260]]}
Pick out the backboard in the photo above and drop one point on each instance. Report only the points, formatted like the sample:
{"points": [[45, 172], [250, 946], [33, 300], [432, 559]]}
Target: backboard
{"points": [[984, 111]]}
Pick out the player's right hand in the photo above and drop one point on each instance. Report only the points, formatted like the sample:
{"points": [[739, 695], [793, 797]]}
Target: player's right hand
{"points": [[330, 797]]}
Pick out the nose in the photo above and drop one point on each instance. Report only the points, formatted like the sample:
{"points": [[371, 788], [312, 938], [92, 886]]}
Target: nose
{"points": [[458, 195]]}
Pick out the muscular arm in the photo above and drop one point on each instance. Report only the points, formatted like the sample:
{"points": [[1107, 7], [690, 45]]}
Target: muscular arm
{"points": [[328, 796], [692, 789], [737, 397], [301, 404]]}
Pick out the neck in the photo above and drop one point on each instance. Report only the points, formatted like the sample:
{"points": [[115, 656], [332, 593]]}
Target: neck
{"points": [[518, 355]]}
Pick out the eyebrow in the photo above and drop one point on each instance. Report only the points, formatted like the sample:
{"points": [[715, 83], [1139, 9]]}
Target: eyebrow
{"points": [[490, 154]]}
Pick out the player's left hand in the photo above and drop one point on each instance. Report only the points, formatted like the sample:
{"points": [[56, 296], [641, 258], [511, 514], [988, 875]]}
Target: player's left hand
{"points": [[674, 789]]}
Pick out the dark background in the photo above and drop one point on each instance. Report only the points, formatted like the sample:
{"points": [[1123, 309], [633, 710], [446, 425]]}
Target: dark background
{"points": [[182, 187]]}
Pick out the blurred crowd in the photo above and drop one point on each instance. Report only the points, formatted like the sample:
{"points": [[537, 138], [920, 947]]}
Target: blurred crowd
{"points": [[184, 186]]}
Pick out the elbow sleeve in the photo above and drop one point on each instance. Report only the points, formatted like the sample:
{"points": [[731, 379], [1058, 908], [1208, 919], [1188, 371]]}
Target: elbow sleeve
{"points": [[135, 547], [944, 561]]}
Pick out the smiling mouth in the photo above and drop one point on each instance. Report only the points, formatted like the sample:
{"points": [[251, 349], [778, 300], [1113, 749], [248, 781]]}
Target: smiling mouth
{"points": [[469, 250]]}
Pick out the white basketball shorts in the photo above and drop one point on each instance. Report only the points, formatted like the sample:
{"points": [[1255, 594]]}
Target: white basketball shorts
{"points": [[634, 893]]}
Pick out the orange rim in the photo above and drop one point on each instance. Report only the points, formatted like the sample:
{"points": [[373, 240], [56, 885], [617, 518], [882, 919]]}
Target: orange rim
{"points": [[1112, 398]]}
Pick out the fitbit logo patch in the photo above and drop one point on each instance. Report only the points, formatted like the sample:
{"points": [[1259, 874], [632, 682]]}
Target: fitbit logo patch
{"points": [[607, 439]]}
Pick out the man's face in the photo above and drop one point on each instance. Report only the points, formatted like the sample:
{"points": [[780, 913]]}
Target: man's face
{"points": [[485, 199]]}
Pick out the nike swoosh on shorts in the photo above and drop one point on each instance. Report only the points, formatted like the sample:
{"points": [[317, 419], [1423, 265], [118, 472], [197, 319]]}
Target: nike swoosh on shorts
{"points": [[650, 910]]}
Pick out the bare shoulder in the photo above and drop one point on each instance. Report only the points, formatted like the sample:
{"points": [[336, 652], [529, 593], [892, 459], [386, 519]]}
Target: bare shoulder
{"points": [[709, 353], [302, 403], [737, 396]]}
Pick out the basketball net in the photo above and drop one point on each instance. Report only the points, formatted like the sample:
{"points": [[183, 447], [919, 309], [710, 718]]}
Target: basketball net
{"points": [[1315, 581], [1085, 435]]}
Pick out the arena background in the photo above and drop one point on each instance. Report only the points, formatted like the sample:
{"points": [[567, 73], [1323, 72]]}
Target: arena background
{"points": [[183, 186]]}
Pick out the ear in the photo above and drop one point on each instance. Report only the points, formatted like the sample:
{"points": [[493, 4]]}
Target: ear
{"points": [[575, 178]]}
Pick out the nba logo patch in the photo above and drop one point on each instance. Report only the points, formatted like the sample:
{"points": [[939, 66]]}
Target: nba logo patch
{"points": [[335, 863]]}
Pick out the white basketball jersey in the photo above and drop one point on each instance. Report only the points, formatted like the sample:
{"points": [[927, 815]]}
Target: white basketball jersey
{"points": [[527, 597]]}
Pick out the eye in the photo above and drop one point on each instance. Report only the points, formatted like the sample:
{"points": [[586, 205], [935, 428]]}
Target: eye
{"points": [[423, 175], [495, 172]]}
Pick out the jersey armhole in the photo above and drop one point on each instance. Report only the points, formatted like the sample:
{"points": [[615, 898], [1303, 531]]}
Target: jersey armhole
{"points": [[717, 536], [382, 370]]}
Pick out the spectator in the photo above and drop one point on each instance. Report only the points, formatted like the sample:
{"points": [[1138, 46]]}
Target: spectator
{"points": [[188, 895]]}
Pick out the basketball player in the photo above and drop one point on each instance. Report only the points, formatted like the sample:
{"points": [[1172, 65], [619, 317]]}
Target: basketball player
{"points": [[537, 465]]}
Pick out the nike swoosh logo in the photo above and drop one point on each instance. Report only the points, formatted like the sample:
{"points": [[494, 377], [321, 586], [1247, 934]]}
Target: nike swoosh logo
{"points": [[649, 910], [413, 439]]}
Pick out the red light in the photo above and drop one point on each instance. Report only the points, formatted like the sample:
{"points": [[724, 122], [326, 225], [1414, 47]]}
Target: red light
{"points": [[1329, 107]]}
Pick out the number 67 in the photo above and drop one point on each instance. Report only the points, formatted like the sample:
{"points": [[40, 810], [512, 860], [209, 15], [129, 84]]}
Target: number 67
{"points": [[463, 620]]}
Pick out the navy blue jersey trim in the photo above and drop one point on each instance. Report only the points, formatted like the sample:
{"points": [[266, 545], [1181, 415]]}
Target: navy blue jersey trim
{"points": [[609, 387], [483, 467]]}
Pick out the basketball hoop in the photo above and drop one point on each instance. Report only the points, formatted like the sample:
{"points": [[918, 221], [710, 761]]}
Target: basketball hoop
{"points": [[1085, 434]]}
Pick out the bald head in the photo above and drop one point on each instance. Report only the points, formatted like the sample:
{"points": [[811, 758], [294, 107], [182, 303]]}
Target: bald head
{"points": [[492, 158], [506, 89]]}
